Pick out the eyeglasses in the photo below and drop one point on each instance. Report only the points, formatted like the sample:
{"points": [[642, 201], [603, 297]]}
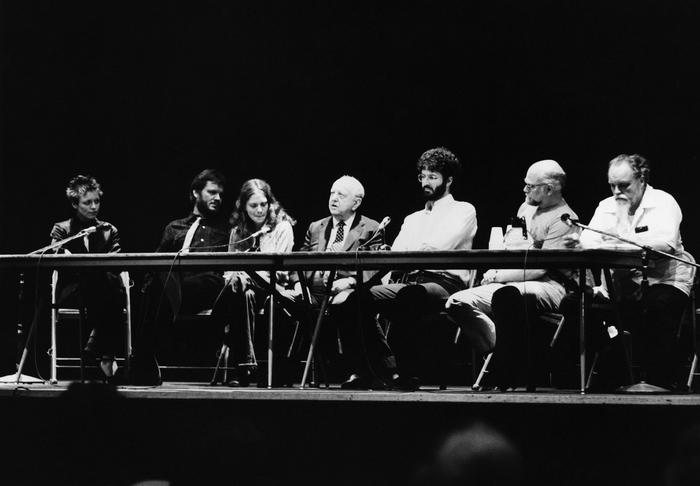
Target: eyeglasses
{"points": [[530, 187], [430, 177]]}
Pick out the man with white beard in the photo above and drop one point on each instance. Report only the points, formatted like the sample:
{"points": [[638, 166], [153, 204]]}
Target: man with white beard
{"points": [[637, 212]]}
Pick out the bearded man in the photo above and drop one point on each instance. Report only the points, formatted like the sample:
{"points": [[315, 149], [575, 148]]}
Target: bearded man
{"points": [[415, 298]]}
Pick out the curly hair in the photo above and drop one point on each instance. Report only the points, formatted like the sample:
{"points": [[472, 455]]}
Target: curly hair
{"points": [[79, 185], [241, 224], [640, 165], [442, 160]]}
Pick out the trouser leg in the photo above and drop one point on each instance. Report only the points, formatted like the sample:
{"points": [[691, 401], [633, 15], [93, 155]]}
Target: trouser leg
{"points": [[102, 296], [164, 299], [471, 310], [365, 346], [664, 306], [414, 314], [242, 308]]}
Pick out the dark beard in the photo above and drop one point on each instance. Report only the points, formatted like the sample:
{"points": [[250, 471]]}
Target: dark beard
{"points": [[437, 193], [204, 209]]}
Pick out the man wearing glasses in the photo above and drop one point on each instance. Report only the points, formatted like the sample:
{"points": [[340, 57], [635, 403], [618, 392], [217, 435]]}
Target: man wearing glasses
{"points": [[413, 301], [497, 306], [640, 213]]}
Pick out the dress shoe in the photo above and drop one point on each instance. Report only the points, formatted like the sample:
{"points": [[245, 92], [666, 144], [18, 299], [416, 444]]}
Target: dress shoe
{"points": [[406, 383], [145, 371], [241, 377], [355, 382]]}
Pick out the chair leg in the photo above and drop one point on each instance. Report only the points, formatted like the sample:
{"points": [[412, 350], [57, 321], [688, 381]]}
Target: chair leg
{"points": [[314, 339], [222, 359], [484, 369], [691, 375], [592, 370], [54, 324]]}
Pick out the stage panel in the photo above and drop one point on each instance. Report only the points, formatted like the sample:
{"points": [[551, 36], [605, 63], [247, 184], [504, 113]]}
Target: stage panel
{"points": [[199, 391], [196, 434]]}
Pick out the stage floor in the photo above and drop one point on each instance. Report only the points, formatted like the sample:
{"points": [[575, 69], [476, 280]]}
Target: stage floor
{"points": [[194, 433], [201, 391]]}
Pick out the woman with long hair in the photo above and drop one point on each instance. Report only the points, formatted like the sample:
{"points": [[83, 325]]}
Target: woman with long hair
{"points": [[258, 223]]}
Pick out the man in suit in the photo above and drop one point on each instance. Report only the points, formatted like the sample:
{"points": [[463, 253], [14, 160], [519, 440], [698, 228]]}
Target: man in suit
{"points": [[344, 230]]}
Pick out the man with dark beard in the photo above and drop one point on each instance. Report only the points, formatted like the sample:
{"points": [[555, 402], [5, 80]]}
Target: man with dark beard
{"points": [[414, 300], [165, 295], [492, 315]]}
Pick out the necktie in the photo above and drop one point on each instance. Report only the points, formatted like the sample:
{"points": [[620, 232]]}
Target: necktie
{"points": [[190, 235], [340, 232], [337, 244]]}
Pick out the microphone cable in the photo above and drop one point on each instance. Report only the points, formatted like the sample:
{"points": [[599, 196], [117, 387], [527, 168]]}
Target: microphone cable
{"points": [[361, 319]]}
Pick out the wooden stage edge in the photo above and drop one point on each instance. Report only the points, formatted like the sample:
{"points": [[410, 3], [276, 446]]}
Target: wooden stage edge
{"points": [[454, 395]]}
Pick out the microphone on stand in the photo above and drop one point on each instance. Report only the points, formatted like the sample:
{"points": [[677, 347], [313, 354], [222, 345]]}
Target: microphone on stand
{"points": [[84, 232], [92, 229], [566, 217], [384, 223], [261, 231]]}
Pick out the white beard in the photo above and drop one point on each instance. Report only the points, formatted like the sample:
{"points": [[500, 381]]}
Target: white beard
{"points": [[624, 219]]}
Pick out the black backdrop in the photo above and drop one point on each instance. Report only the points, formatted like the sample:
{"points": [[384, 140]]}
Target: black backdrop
{"points": [[144, 95]]}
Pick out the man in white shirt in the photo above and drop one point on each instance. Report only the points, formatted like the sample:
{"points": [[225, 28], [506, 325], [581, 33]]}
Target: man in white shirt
{"points": [[637, 212], [443, 224]]}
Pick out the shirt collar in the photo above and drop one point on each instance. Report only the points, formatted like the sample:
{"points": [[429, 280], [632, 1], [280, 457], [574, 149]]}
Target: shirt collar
{"points": [[348, 222], [443, 201], [649, 200], [76, 222]]}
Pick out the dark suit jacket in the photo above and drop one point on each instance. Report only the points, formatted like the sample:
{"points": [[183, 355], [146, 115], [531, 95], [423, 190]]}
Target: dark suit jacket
{"points": [[104, 240], [316, 239]]}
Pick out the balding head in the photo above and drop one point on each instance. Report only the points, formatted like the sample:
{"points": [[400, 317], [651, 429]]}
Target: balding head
{"points": [[351, 184], [549, 171], [544, 182], [346, 197]]}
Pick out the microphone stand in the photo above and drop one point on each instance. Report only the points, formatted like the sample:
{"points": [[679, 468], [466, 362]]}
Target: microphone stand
{"points": [[642, 386], [18, 377]]}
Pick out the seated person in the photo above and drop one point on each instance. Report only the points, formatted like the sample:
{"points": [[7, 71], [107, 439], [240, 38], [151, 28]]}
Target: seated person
{"points": [[491, 315], [344, 230], [168, 294], [258, 223], [99, 291], [413, 303], [646, 216]]}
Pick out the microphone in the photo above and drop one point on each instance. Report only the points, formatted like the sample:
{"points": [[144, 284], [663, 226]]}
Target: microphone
{"points": [[566, 217], [92, 229], [384, 223], [261, 231], [524, 227]]}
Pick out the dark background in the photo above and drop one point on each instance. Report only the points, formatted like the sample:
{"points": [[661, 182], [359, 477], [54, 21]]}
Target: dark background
{"points": [[144, 95]]}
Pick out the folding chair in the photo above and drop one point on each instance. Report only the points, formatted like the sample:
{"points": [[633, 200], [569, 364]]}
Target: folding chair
{"points": [[58, 313]]}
